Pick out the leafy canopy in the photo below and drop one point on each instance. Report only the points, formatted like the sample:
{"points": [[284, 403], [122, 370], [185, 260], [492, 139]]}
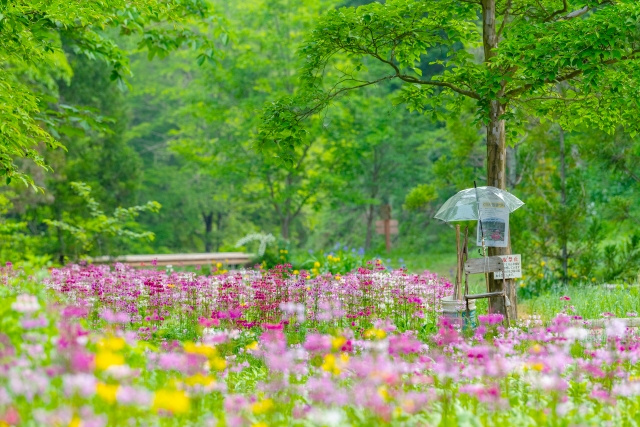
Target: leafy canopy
{"points": [[32, 33], [89, 230], [572, 61]]}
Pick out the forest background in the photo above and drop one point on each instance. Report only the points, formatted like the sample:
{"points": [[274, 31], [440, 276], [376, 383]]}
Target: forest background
{"points": [[180, 131]]}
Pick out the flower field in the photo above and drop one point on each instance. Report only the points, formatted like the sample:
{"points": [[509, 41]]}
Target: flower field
{"points": [[91, 346]]}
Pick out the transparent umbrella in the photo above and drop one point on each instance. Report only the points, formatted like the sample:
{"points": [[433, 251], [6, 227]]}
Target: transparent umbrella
{"points": [[464, 205]]}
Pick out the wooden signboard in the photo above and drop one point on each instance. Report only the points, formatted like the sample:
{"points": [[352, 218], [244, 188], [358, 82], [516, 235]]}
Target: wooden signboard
{"points": [[393, 226], [512, 267]]}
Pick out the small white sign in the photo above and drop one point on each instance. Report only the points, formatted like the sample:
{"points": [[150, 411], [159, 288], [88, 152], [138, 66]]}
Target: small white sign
{"points": [[512, 267]]}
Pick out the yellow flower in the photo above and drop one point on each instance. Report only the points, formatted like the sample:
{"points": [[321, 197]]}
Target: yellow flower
{"points": [[338, 342], [383, 393], [329, 364], [199, 379], [171, 285], [75, 422], [262, 407], [593, 279], [536, 348], [540, 275], [219, 265], [537, 366], [252, 346], [542, 263], [296, 272], [107, 392], [104, 359], [338, 277], [175, 401], [260, 424], [316, 264], [375, 333], [112, 343], [205, 350], [344, 358], [218, 363]]}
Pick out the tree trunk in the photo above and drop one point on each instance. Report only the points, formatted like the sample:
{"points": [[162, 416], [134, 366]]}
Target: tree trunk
{"points": [[496, 156], [285, 226], [218, 231], [208, 226], [563, 196], [496, 162], [367, 242]]}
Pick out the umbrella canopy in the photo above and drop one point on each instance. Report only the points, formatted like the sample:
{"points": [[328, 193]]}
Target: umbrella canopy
{"points": [[464, 205]]}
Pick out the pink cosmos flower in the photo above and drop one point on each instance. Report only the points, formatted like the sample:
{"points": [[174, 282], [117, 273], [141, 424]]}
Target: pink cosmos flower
{"points": [[81, 361], [317, 343], [80, 384]]}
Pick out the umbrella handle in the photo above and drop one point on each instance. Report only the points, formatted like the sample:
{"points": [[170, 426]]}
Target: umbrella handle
{"points": [[479, 217]]}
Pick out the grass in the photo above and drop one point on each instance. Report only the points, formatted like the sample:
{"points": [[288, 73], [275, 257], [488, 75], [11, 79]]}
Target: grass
{"points": [[588, 301]]}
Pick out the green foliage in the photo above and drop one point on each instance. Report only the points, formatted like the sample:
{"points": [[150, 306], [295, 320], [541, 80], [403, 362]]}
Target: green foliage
{"points": [[420, 196], [622, 260], [586, 300], [186, 135], [542, 61], [341, 260], [97, 226], [33, 61]]}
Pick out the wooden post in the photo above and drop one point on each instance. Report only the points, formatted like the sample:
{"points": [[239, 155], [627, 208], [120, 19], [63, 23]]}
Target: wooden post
{"points": [[387, 234]]}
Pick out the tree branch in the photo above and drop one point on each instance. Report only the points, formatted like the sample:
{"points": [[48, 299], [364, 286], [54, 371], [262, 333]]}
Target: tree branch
{"points": [[576, 13], [505, 18], [571, 75], [557, 12], [411, 79]]}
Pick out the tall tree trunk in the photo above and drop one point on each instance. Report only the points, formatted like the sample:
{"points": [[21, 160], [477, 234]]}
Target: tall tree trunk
{"points": [[286, 223], [496, 156], [563, 200], [208, 226], [218, 231], [370, 216]]}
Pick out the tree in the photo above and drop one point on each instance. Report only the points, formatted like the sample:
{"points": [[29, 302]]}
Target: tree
{"points": [[573, 61], [217, 123], [32, 60], [98, 228]]}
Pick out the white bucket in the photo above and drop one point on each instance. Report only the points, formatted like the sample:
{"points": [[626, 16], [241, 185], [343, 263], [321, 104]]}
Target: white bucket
{"points": [[455, 311]]}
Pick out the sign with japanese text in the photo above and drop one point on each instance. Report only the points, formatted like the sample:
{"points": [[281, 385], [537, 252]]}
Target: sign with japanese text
{"points": [[512, 267]]}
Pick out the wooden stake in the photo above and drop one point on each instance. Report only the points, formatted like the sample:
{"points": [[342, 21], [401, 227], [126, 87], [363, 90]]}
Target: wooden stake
{"points": [[387, 234]]}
